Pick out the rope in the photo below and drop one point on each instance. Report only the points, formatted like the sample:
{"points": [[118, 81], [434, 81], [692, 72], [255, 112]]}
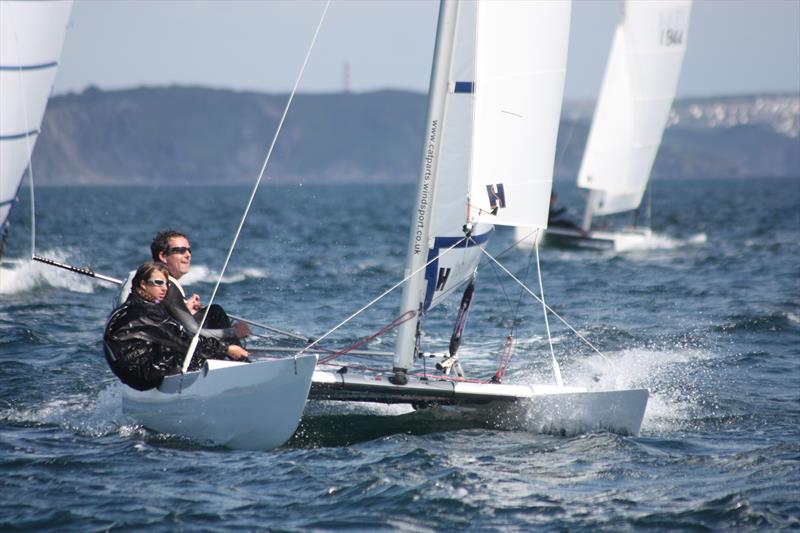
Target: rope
{"points": [[405, 317], [505, 359], [196, 337], [379, 297], [512, 276]]}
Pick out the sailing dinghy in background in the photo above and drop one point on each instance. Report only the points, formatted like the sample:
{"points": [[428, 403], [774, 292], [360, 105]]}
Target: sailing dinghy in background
{"points": [[628, 124], [493, 111], [31, 37]]}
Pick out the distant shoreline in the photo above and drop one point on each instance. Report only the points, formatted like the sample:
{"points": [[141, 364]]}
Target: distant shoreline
{"points": [[193, 135]]}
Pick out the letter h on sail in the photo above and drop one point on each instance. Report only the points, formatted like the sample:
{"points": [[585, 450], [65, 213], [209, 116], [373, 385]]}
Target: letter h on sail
{"points": [[497, 197]]}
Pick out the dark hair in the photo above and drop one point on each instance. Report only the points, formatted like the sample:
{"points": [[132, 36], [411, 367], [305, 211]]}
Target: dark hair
{"points": [[161, 242], [146, 270]]}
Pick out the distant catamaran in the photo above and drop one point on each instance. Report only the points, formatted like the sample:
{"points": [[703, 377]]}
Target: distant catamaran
{"points": [[31, 36], [629, 121]]}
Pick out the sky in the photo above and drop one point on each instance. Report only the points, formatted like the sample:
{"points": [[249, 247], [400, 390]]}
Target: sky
{"points": [[734, 46]]}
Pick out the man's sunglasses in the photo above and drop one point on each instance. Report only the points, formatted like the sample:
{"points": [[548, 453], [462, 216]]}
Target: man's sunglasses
{"points": [[157, 282], [179, 250]]}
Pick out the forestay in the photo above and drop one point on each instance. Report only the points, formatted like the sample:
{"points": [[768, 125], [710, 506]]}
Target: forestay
{"points": [[31, 37], [634, 104]]}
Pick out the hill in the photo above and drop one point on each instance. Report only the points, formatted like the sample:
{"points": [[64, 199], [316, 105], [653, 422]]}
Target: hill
{"points": [[186, 135]]}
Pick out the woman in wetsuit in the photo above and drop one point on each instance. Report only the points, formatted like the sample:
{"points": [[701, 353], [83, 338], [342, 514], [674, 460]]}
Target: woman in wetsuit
{"points": [[143, 343]]}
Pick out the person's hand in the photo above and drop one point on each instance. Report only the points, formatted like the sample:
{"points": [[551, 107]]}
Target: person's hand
{"points": [[241, 329], [193, 303], [237, 352]]}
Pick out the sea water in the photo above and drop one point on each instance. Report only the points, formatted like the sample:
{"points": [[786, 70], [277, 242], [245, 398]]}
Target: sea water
{"points": [[707, 317]]}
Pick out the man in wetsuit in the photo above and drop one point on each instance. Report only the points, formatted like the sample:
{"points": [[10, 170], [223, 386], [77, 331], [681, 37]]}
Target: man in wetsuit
{"points": [[172, 249]]}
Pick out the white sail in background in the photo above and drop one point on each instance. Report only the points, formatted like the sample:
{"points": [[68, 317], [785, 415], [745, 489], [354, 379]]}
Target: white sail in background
{"points": [[521, 65], [31, 36], [634, 104]]}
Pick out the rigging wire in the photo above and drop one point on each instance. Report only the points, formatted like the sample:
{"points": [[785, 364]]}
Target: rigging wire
{"points": [[526, 289], [525, 277], [196, 337], [556, 369], [379, 297]]}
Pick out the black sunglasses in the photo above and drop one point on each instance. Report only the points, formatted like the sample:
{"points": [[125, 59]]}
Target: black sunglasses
{"points": [[179, 250], [157, 282]]}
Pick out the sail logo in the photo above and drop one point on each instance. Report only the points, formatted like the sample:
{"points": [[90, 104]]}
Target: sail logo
{"points": [[671, 37], [673, 24], [441, 280], [497, 197]]}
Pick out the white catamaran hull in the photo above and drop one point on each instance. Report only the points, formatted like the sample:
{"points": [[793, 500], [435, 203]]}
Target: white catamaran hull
{"points": [[251, 406], [541, 408], [619, 241]]}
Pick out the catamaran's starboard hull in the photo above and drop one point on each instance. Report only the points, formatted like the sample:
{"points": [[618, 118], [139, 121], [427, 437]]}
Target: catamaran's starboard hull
{"points": [[255, 406], [620, 411], [618, 241], [540, 408]]}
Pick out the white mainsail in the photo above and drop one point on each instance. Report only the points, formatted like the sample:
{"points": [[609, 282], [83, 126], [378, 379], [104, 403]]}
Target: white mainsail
{"points": [[31, 36], [635, 99], [494, 104]]}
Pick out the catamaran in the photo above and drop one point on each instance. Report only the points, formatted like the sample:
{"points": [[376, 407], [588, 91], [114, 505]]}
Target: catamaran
{"points": [[494, 103], [629, 121], [31, 37]]}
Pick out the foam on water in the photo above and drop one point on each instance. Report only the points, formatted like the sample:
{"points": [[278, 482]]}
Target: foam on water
{"points": [[660, 241], [204, 274], [80, 413], [26, 275], [671, 404], [327, 408]]}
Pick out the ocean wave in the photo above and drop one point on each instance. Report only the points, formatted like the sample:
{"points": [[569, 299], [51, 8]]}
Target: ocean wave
{"points": [[777, 320], [660, 241], [79, 413], [204, 274], [26, 275]]}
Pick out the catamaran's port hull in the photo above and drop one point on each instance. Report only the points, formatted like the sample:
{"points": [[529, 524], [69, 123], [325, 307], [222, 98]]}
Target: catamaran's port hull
{"points": [[541, 408], [254, 406]]}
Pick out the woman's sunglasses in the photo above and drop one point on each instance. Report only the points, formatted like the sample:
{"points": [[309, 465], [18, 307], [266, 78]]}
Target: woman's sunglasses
{"points": [[156, 282]]}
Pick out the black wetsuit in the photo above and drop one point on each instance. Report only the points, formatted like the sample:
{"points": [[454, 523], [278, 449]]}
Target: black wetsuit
{"points": [[143, 343], [218, 324], [554, 219]]}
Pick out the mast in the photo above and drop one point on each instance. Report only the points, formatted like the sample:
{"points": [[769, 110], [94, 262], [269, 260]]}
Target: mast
{"points": [[406, 345]]}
